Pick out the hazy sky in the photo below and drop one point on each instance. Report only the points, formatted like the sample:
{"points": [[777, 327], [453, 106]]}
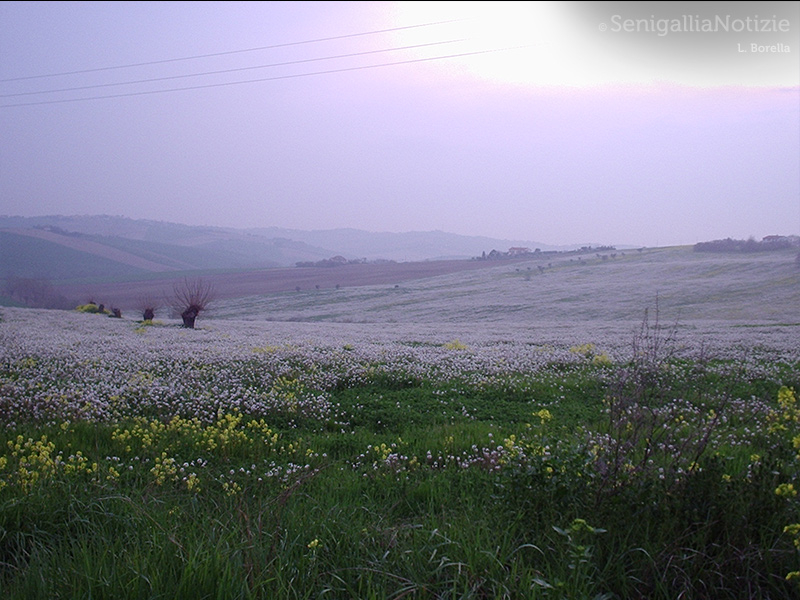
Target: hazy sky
{"points": [[648, 123]]}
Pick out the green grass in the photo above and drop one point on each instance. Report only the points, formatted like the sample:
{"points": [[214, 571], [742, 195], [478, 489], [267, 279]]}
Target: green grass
{"points": [[386, 507]]}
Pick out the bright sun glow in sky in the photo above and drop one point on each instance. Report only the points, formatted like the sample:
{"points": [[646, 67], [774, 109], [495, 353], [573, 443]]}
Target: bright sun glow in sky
{"points": [[524, 42], [577, 44], [551, 122]]}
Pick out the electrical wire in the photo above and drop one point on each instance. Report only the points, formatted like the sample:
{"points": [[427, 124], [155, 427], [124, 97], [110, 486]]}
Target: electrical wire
{"points": [[260, 80], [233, 70], [229, 52]]}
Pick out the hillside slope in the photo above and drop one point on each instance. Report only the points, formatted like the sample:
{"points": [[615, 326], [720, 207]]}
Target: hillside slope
{"points": [[156, 246], [744, 288], [97, 243], [40, 254]]}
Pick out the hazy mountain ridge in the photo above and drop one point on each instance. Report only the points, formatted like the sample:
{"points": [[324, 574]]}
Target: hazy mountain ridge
{"points": [[412, 245], [65, 248], [33, 246]]}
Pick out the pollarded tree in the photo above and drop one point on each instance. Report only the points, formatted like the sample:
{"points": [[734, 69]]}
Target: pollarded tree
{"points": [[191, 298], [148, 305]]}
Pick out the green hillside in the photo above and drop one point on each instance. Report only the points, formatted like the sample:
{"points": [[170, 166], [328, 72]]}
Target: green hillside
{"points": [[212, 255], [58, 255], [30, 257]]}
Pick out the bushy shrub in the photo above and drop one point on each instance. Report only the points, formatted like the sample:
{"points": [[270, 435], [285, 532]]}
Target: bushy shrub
{"points": [[93, 308], [750, 245]]}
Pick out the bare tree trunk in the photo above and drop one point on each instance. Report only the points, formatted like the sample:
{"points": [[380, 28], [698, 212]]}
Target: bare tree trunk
{"points": [[193, 298], [189, 316]]}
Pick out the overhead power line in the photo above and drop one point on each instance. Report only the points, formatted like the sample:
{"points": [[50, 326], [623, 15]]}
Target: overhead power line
{"points": [[229, 52], [264, 79], [232, 70]]}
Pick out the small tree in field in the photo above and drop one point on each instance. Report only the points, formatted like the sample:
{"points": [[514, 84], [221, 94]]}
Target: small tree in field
{"points": [[148, 305], [191, 298]]}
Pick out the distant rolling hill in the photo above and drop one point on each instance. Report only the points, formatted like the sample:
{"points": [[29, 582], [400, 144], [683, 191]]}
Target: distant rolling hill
{"points": [[406, 246], [57, 260], [38, 254], [239, 283], [70, 248], [94, 248], [600, 288]]}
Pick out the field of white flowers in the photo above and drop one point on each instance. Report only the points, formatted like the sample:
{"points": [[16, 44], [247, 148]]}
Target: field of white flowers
{"points": [[689, 286], [69, 365], [437, 457]]}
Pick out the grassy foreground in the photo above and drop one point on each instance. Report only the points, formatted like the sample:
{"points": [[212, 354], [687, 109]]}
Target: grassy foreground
{"points": [[651, 475]]}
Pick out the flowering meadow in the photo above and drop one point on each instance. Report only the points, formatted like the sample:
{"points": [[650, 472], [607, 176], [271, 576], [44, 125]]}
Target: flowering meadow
{"points": [[265, 459]]}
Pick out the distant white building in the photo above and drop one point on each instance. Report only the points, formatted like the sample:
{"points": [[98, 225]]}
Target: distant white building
{"points": [[794, 240]]}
